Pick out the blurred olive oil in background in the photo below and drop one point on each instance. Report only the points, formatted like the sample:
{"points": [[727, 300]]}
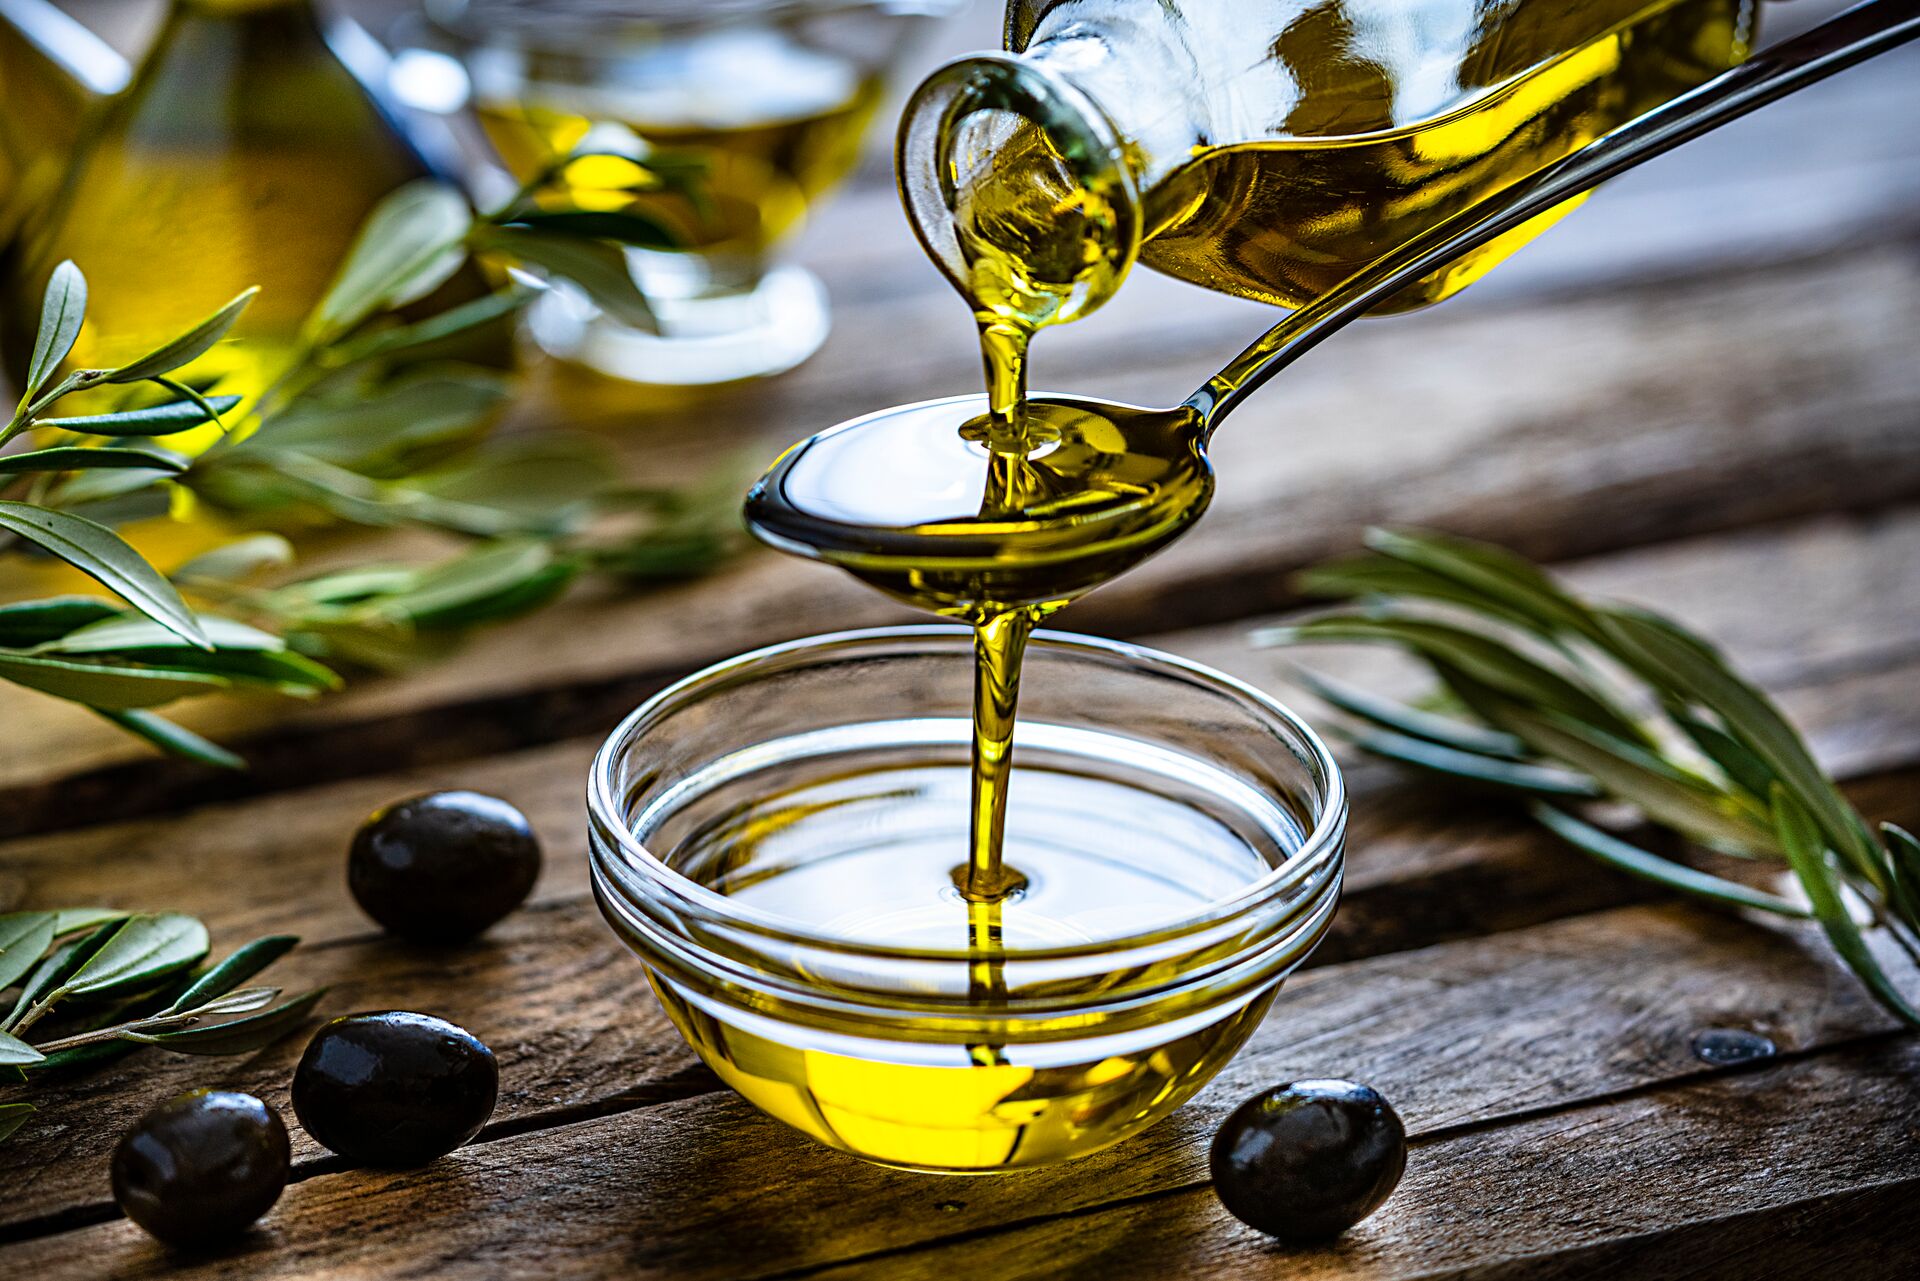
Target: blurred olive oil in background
{"points": [[763, 127], [243, 153]]}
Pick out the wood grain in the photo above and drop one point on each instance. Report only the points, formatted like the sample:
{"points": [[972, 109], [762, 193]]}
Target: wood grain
{"points": [[1630, 1183], [1460, 1036], [1602, 422]]}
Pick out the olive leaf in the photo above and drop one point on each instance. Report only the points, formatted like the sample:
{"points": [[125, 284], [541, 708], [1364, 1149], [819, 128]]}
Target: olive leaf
{"points": [[236, 969], [116, 686], [12, 1117], [143, 948], [157, 420], [125, 633], [626, 227], [408, 247], [1520, 776], [1447, 731], [174, 740], [598, 269], [384, 344], [104, 556], [17, 1053], [57, 968], [34, 622], [1634, 861], [241, 1035], [1806, 849], [24, 939], [1715, 762], [83, 918], [62, 311], [240, 559], [188, 347], [70, 458]]}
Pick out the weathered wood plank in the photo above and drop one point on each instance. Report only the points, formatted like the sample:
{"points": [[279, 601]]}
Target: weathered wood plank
{"points": [[1459, 1036], [1692, 1181], [1604, 422], [1853, 581]]}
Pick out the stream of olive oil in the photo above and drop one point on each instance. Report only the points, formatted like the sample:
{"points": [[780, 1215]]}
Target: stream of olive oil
{"points": [[999, 518]]}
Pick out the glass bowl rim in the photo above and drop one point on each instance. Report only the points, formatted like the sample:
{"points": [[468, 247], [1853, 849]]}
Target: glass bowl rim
{"points": [[1322, 845], [454, 17]]}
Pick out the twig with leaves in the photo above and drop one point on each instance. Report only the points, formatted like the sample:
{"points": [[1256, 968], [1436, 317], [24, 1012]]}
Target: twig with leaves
{"points": [[106, 983], [1567, 702], [374, 422]]}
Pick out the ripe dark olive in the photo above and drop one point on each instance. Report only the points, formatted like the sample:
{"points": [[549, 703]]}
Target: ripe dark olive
{"points": [[201, 1167], [443, 867], [1307, 1161], [394, 1089]]}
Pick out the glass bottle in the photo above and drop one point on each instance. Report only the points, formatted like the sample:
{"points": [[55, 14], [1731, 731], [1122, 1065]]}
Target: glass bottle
{"points": [[243, 153], [1269, 148], [53, 74]]}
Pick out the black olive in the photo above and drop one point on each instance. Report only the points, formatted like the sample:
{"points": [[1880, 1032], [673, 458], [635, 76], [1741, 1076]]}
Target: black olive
{"points": [[443, 867], [201, 1167], [1307, 1161], [394, 1089]]}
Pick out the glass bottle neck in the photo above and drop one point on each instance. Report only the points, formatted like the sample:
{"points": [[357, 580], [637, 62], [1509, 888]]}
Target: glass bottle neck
{"points": [[1133, 66]]}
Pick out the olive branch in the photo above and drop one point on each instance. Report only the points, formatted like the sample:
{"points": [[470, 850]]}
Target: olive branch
{"points": [[375, 422], [111, 982], [1568, 702]]}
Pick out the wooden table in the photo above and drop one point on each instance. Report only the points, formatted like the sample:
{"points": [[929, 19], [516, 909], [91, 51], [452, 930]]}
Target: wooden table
{"points": [[1701, 393]]}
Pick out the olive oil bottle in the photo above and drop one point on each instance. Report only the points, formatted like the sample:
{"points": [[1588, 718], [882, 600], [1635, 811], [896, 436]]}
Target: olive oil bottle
{"points": [[243, 153], [1270, 148], [759, 167], [53, 74]]}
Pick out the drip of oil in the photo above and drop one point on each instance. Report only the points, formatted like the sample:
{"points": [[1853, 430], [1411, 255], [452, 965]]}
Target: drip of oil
{"points": [[761, 125]]}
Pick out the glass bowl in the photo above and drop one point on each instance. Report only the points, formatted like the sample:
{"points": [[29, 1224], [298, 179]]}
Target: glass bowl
{"points": [[776, 839]]}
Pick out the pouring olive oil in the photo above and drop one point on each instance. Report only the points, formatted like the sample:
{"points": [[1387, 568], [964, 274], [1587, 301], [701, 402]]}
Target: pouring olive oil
{"points": [[997, 510]]}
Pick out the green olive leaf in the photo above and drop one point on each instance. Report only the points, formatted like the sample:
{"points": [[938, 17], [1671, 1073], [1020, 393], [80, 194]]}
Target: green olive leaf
{"points": [[237, 561], [144, 948], [123, 634], [24, 939], [242, 1035], [12, 1117], [158, 420], [1520, 776], [384, 344], [35, 622], [1675, 660], [408, 246], [60, 965], [1447, 731], [1634, 861], [188, 347], [1492, 576], [625, 227], [74, 458], [236, 969], [86, 918], [174, 740], [114, 686], [1806, 849], [598, 269], [62, 311], [15, 1052], [103, 555]]}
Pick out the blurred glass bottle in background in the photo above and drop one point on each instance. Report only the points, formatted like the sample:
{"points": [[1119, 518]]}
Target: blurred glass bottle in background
{"points": [[53, 73], [243, 153], [1269, 148], [760, 105]]}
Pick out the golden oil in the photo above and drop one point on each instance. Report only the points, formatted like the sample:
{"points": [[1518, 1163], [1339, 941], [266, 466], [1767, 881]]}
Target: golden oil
{"points": [[759, 126], [1285, 219], [243, 153], [861, 855]]}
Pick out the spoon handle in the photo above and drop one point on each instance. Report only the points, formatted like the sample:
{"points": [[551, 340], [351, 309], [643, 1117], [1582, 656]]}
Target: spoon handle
{"points": [[1842, 41]]}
